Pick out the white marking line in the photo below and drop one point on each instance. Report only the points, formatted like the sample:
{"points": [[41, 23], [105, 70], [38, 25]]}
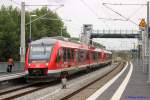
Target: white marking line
{"points": [[109, 83], [10, 77], [7, 75], [117, 95]]}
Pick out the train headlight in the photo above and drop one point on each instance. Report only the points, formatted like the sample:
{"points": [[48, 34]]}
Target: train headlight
{"points": [[26, 72], [46, 64], [29, 65]]}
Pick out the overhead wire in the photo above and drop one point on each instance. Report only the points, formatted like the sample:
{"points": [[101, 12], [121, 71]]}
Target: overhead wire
{"points": [[126, 19], [104, 14], [136, 11], [14, 2], [130, 16], [89, 8], [122, 4], [112, 19], [43, 15]]}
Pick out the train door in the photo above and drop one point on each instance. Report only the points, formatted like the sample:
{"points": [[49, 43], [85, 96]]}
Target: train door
{"points": [[70, 57], [88, 57], [65, 58], [72, 53], [102, 56], [97, 58], [76, 56], [59, 59]]}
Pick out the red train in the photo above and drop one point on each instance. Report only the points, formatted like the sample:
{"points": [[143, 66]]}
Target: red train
{"points": [[49, 58]]}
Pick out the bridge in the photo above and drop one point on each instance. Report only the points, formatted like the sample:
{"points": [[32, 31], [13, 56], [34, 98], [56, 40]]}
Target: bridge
{"points": [[115, 34]]}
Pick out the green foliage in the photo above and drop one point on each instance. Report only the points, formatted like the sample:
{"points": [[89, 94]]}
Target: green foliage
{"points": [[98, 45], [9, 33], [10, 29], [123, 54]]}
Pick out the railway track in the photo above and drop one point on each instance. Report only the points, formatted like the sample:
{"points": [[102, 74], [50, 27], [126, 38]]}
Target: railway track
{"points": [[23, 90], [84, 92], [31, 88], [56, 93]]}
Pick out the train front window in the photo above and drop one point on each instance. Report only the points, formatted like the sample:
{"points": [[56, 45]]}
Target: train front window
{"points": [[41, 53]]}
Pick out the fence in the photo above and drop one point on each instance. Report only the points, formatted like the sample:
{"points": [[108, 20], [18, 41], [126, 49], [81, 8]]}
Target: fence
{"points": [[115, 31], [18, 66]]}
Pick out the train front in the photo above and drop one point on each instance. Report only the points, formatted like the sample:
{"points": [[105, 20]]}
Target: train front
{"points": [[37, 62]]}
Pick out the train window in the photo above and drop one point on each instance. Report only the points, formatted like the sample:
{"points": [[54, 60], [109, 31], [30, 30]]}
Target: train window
{"points": [[82, 55], [72, 54], [96, 55], [93, 56], [69, 54], [64, 54], [87, 55], [77, 56], [40, 52], [59, 56]]}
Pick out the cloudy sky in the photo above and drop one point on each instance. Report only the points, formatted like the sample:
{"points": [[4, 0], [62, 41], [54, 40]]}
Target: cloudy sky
{"points": [[94, 12]]}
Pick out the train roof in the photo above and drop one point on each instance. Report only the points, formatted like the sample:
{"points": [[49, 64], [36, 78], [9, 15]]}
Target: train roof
{"points": [[72, 45], [107, 51], [45, 41], [65, 43], [98, 49]]}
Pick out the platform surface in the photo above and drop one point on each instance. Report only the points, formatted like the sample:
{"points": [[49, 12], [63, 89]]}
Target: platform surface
{"points": [[11, 75], [137, 88]]}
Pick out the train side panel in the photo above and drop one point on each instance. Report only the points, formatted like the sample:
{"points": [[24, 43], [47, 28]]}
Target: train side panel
{"points": [[65, 58]]}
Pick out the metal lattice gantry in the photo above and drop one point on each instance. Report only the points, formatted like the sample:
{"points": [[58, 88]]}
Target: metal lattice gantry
{"points": [[115, 34]]}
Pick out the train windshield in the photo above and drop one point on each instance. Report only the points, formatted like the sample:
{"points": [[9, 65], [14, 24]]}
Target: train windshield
{"points": [[41, 53]]}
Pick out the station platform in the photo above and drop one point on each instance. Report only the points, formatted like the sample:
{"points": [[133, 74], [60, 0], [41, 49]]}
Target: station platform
{"points": [[138, 86], [132, 84], [4, 76], [17, 71]]}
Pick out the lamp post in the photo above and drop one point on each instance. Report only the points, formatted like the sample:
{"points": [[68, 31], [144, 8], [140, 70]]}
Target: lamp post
{"points": [[62, 28], [30, 26]]}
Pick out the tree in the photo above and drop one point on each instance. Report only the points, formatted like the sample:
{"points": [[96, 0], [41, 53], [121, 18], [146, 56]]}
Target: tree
{"points": [[10, 29], [47, 26], [9, 37]]}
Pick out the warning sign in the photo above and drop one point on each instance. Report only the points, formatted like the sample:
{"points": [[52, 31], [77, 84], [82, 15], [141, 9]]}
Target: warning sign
{"points": [[142, 23]]}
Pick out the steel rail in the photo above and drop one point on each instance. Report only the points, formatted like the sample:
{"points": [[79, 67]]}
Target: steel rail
{"points": [[91, 83]]}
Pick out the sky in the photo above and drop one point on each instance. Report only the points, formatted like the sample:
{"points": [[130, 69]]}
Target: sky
{"points": [[94, 12]]}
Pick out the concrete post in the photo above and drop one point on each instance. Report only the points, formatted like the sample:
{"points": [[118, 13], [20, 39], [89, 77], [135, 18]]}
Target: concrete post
{"points": [[22, 44], [144, 63], [30, 36], [148, 41]]}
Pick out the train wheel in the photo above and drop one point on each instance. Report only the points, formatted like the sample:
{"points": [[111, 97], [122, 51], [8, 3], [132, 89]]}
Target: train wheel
{"points": [[88, 69]]}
